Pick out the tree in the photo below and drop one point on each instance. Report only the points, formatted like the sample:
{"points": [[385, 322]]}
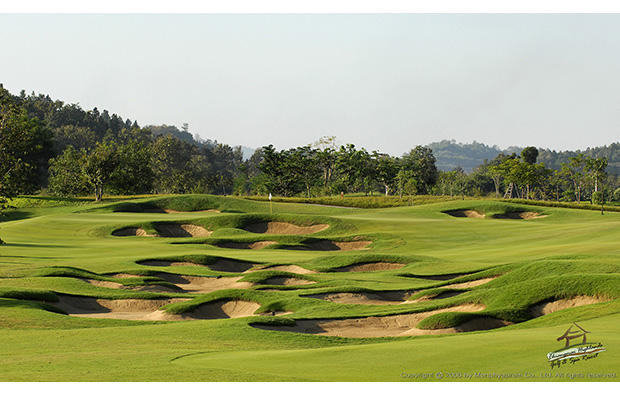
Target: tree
{"points": [[529, 155], [596, 170], [25, 148], [67, 176], [574, 171], [170, 162], [420, 162], [99, 167], [385, 170], [132, 174], [326, 157]]}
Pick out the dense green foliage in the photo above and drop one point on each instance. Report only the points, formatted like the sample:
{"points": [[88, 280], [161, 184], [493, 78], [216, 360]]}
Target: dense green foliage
{"points": [[64, 150]]}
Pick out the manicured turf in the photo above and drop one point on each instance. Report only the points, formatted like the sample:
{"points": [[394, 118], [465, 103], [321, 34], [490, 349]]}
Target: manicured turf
{"points": [[61, 247]]}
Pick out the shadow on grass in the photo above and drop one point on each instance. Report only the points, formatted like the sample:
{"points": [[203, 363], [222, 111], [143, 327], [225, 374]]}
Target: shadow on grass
{"points": [[14, 216]]}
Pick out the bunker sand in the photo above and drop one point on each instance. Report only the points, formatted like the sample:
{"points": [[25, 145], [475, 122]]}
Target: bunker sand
{"points": [[289, 281], [132, 232], [222, 309], [465, 214], [519, 215], [150, 310], [388, 326], [470, 284], [369, 298], [173, 230], [287, 268], [145, 288], [125, 309], [185, 230], [197, 284], [284, 228], [328, 245], [545, 308], [247, 246]]}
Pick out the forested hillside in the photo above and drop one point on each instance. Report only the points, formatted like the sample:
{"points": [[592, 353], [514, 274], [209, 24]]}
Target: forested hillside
{"points": [[48, 146], [468, 156]]}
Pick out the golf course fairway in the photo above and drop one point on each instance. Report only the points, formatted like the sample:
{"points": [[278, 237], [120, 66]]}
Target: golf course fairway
{"points": [[195, 288]]}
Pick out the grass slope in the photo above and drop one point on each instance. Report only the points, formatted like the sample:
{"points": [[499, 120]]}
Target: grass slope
{"points": [[59, 247]]}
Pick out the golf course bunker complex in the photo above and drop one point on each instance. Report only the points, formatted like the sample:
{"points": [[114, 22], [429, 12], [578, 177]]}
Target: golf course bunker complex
{"points": [[165, 263], [371, 298], [172, 230], [288, 281], [289, 268], [186, 230], [221, 265], [519, 215], [545, 308], [284, 228], [203, 284], [247, 246], [329, 245], [370, 267], [465, 213], [150, 309], [124, 309], [470, 284], [220, 309], [387, 326], [132, 232], [146, 287]]}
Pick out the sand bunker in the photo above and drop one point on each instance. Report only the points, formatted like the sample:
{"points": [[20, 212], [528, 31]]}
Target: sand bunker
{"points": [[247, 246], [222, 265], [230, 266], [545, 308], [125, 309], [396, 325], [289, 268], [132, 232], [187, 230], [370, 267], [465, 214], [370, 298], [283, 280], [223, 309], [146, 288], [284, 228], [469, 284], [160, 263], [199, 284], [328, 245], [126, 275], [477, 324], [519, 215]]}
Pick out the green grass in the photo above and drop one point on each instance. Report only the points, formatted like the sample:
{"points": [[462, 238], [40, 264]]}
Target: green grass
{"points": [[53, 246]]}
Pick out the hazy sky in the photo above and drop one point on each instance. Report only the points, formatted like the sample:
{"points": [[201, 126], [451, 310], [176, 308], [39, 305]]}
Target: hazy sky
{"points": [[385, 82]]}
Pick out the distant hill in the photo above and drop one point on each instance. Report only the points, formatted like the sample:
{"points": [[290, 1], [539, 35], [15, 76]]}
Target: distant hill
{"points": [[450, 154]]}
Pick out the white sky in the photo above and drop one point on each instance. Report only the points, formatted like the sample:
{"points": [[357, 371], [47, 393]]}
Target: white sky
{"points": [[381, 81]]}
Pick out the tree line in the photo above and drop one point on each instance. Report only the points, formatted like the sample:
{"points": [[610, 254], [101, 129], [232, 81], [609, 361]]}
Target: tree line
{"points": [[65, 150], [68, 151]]}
